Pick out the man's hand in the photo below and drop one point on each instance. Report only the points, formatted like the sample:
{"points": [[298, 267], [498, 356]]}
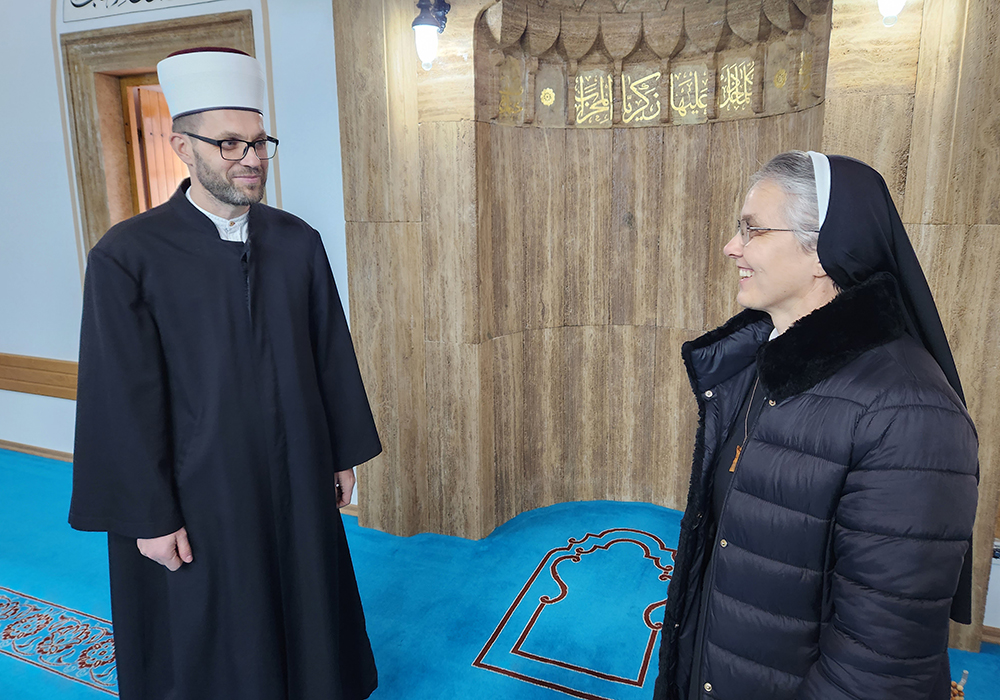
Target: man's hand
{"points": [[345, 486], [170, 550]]}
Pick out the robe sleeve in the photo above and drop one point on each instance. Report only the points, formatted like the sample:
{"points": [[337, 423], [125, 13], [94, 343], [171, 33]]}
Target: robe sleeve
{"points": [[349, 417], [903, 525], [123, 459]]}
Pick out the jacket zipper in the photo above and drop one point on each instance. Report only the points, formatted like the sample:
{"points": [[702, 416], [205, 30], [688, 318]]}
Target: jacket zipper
{"points": [[711, 573]]}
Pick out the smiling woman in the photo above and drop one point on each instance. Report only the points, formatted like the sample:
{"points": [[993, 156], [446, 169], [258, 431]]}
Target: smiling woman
{"points": [[832, 432], [777, 274]]}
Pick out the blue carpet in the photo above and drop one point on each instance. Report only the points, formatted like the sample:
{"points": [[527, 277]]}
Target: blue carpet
{"points": [[559, 602], [41, 557], [456, 596]]}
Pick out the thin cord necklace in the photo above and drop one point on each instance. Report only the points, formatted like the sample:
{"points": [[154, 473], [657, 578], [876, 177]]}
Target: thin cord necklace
{"points": [[746, 427]]}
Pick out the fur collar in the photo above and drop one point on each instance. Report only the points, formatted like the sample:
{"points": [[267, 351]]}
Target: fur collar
{"points": [[812, 349]]}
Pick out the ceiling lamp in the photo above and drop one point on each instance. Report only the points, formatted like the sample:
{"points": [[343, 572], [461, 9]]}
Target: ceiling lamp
{"points": [[426, 27], [890, 10]]}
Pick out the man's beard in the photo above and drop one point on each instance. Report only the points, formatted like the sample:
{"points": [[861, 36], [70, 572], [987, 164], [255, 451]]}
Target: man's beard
{"points": [[224, 190]]}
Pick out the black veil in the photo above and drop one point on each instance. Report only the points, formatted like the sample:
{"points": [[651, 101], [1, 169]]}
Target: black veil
{"points": [[861, 235]]}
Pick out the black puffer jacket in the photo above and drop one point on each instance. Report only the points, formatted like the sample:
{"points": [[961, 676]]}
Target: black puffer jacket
{"points": [[842, 536]]}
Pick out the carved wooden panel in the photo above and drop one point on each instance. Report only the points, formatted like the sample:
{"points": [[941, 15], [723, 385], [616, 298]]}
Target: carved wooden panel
{"points": [[645, 63]]}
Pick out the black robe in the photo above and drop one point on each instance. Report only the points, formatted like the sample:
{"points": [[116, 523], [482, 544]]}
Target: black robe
{"points": [[219, 391]]}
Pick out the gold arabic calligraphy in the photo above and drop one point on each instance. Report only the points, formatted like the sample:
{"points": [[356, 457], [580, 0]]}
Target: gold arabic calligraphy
{"points": [[640, 98], [593, 99], [689, 92], [805, 70], [736, 85], [511, 93]]}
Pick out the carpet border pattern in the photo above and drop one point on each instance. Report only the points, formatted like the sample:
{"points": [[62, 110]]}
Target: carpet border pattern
{"points": [[69, 643]]}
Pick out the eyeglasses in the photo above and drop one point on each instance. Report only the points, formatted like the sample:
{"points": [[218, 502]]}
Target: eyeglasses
{"points": [[747, 232], [236, 149]]}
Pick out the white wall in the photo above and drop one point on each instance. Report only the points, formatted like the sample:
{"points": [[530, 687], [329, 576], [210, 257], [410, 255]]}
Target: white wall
{"points": [[40, 276], [40, 287], [305, 97]]}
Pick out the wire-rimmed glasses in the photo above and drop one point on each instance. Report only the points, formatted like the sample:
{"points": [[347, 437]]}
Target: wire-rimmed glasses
{"points": [[747, 232]]}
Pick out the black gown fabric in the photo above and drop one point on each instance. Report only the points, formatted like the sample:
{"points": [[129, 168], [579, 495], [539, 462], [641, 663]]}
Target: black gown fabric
{"points": [[219, 391]]}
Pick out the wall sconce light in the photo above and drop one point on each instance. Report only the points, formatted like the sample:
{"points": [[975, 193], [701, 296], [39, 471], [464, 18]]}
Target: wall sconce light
{"points": [[426, 27], [890, 10]]}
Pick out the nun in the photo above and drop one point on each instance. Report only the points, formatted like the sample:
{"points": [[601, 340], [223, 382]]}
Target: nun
{"points": [[220, 411], [826, 538]]}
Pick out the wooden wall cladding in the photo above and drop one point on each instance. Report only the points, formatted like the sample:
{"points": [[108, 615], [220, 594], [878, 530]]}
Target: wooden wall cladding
{"points": [[387, 327], [448, 215], [951, 185], [377, 101], [36, 451], [872, 81], [523, 274], [520, 287], [957, 93], [962, 265], [38, 375], [605, 248]]}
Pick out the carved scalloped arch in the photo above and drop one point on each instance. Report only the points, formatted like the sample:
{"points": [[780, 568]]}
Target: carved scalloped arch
{"points": [[539, 24], [777, 44]]}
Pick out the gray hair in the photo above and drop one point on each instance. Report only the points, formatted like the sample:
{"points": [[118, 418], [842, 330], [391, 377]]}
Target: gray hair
{"points": [[793, 173]]}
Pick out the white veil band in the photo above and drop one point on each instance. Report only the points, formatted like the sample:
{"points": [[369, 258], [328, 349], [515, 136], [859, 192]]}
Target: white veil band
{"points": [[821, 170]]}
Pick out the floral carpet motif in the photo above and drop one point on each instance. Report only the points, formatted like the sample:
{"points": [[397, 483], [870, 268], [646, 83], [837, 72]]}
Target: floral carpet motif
{"points": [[71, 644]]}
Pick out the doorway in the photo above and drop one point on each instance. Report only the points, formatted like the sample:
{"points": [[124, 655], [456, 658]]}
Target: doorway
{"points": [[155, 171], [108, 74]]}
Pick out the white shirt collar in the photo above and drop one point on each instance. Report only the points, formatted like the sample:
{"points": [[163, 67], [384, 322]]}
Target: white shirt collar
{"points": [[229, 229]]}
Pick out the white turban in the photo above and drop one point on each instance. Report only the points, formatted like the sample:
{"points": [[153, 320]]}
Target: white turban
{"points": [[198, 80]]}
